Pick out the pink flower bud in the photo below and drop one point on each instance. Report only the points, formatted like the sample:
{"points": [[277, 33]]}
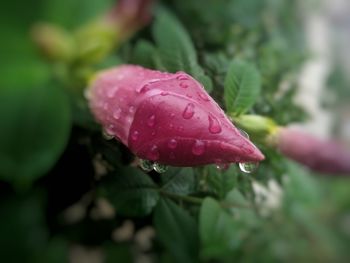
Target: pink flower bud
{"points": [[130, 15], [166, 117], [319, 155]]}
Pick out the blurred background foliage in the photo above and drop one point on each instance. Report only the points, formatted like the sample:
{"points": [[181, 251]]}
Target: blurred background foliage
{"points": [[67, 194]]}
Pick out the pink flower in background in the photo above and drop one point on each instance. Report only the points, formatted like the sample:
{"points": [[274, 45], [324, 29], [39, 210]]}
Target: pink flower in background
{"points": [[131, 15], [166, 117], [323, 156]]}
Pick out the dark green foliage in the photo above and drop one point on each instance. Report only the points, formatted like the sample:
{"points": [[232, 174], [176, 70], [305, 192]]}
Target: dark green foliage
{"points": [[55, 197]]}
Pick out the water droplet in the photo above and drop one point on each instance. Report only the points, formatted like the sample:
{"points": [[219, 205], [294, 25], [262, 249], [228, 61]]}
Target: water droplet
{"points": [[198, 147], [131, 109], [146, 165], [160, 168], [143, 88], [189, 111], [182, 77], [183, 85], [164, 93], [153, 153], [222, 166], [172, 115], [248, 167], [135, 135], [153, 133], [151, 120], [214, 125], [172, 144], [243, 133], [117, 113], [189, 95], [171, 126], [203, 96], [108, 133]]}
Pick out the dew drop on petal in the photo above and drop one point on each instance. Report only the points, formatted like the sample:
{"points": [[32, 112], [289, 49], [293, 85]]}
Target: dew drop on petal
{"points": [[153, 153], [108, 133], [117, 113], [160, 168], [248, 167], [243, 133], [182, 77], [222, 166], [203, 96], [189, 111], [198, 147], [151, 120], [214, 125], [183, 85], [172, 144], [135, 135], [146, 165], [143, 88], [131, 109]]}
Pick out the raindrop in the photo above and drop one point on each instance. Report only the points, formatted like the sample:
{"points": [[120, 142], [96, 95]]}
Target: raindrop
{"points": [[214, 125], [153, 153], [172, 144], [243, 133], [135, 135], [189, 111], [160, 168], [183, 85], [222, 166], [132, 109], [143, 88], [146, 165], [117, 113], [203, 96], [182, 77], [164, 93], [198, 147], [107, 133], [248, 167], [172, 115], [151, 120], [189, 95]]}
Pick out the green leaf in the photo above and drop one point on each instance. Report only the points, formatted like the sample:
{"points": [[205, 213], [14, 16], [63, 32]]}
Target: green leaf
{"points": [[143, 54], [176, 51], [221, 182], [179, 181], [219, 234], [35, 126], [177, 231], [131, 192], [242, 87], [22, 226]]}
